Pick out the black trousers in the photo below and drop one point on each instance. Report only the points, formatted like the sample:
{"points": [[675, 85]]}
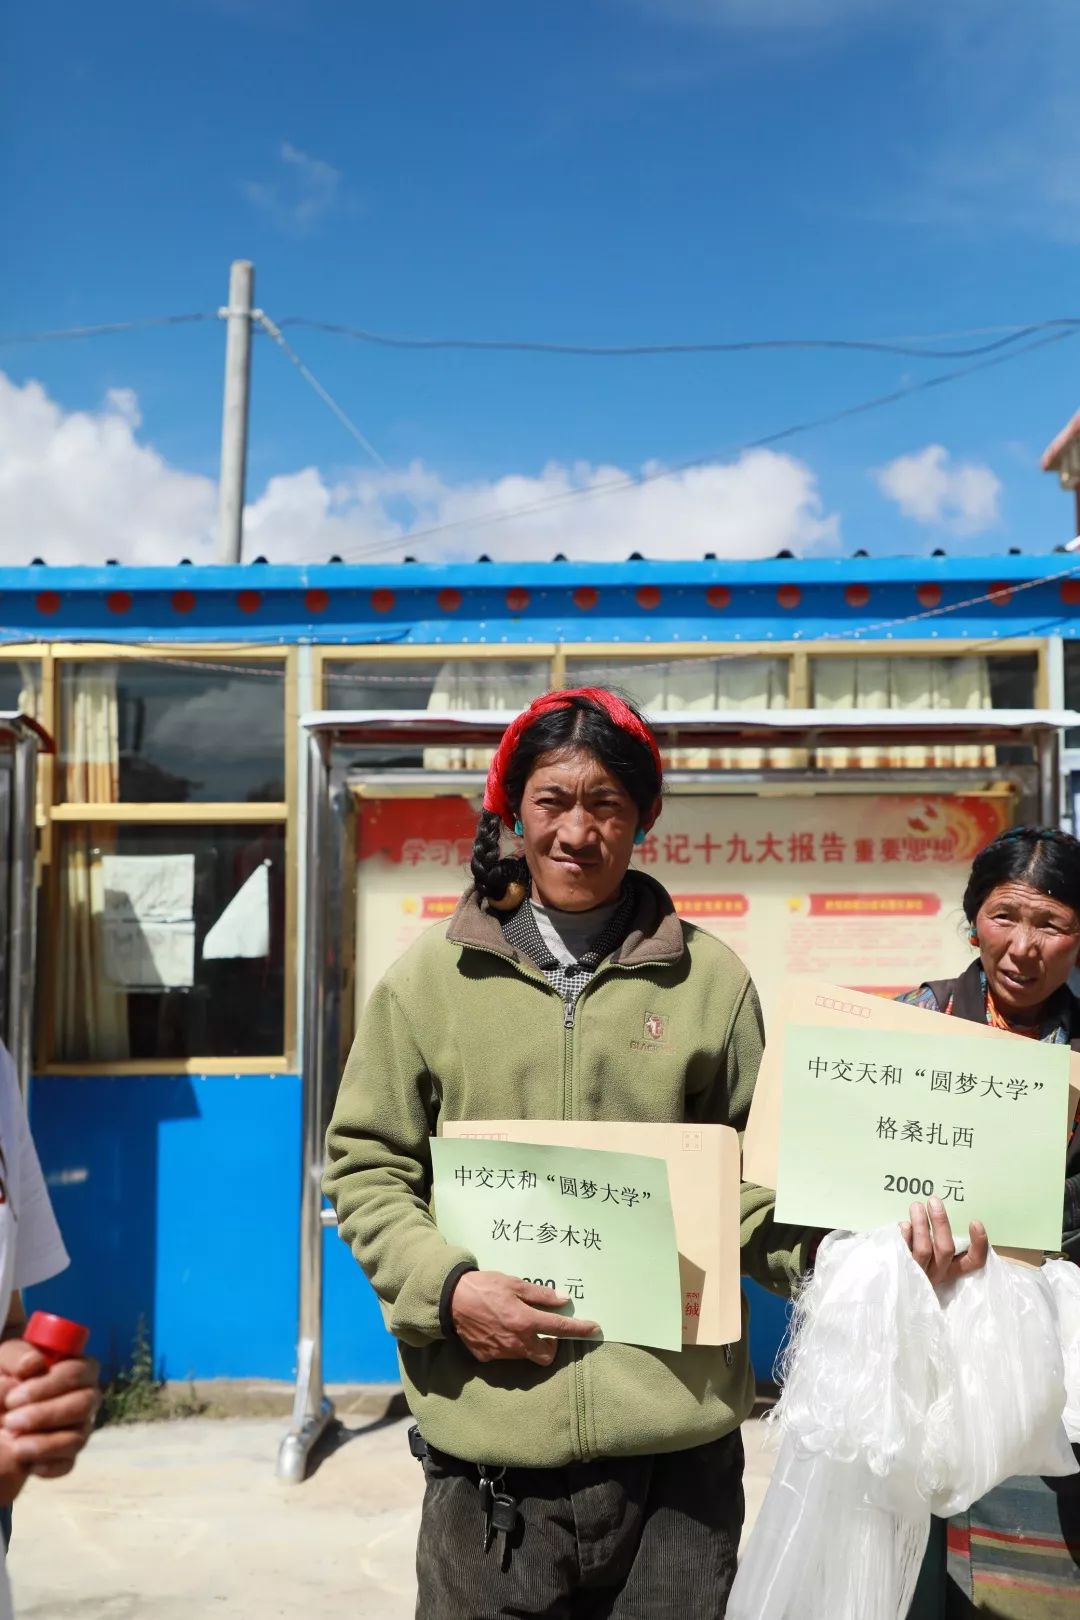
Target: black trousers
{"points": [[625, 1538]]}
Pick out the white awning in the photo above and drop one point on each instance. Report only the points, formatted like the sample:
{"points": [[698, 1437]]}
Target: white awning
{"points": [[808, 728]]}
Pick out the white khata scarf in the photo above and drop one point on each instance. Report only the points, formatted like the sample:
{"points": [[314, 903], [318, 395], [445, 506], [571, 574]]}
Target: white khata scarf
{"points": [[900, 1401]]}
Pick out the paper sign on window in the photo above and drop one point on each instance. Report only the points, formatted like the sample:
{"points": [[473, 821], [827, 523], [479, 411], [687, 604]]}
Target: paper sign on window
{"points": [[243, 929], [147, 922]]}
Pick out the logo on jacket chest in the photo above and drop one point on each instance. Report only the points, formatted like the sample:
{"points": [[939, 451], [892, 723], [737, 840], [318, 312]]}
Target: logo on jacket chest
{"points": [[654, 1035]]}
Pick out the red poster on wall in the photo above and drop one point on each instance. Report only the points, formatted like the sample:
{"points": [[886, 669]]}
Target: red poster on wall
{"points": [[862, 890]]}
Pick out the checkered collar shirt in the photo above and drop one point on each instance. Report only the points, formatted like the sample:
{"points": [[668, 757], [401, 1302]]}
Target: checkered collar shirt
{"points": [[520, 930]]}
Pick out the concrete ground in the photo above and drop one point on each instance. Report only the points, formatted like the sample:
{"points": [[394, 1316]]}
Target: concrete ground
{"points": [[185, 1521]]}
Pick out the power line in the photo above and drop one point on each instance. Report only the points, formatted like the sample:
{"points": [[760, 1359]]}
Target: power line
{"points": [[273, 331], [110, 329], [911, 349], [613, 486]]}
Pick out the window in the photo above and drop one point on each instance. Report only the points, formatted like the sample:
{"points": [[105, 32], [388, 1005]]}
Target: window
{"points": [[170, 919], [662, 685], [903, 681], [176, 732], [170, 942], [20, 686], [1072, 687], [445, 684]]}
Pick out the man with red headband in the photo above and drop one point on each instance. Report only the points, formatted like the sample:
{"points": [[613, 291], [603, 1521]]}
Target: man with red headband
{"points": [[561, 1479]]}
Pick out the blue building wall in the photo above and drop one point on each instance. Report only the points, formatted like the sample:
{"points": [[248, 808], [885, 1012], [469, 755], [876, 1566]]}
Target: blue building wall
{"points": [[178, 1197]]}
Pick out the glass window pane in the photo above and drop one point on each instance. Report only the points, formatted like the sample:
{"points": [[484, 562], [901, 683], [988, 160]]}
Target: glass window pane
{"points": [[433, 683], [923, 682], [660, 685], [160, 731], [439, 684], [1072, 687], [20, 686], [1014, 681], [733, 681], [170, 943]]}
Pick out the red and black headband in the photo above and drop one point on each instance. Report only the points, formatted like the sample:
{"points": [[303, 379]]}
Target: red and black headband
{"points": [[618, 712]]}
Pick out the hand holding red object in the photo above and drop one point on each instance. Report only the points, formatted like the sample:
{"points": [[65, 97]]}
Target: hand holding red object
{"points": [[55, 1337], [52, 1396]]}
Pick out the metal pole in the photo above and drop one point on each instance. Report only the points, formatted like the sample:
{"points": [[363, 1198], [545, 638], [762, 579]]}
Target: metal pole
{"points": [[234, 418], [312, 1412], [21, 901], [1050, 784]]}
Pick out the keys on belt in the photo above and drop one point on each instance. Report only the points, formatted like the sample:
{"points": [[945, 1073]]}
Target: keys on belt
{"points": [[502, 1516]]}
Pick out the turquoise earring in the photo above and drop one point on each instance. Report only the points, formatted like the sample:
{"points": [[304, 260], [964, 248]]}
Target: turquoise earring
{"points": [[640, 836], [519, 830]]}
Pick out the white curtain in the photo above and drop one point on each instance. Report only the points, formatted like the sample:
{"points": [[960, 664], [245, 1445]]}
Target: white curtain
{"points": [[667, 685], [91, 1024], [482, 683], [30, 690], [903, 683]]}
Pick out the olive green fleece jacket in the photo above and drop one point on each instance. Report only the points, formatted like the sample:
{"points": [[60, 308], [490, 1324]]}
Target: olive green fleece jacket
{"points": [[464, 1027]]}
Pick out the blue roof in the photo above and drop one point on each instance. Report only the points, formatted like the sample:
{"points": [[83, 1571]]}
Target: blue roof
{"points": [[672, 603], [502, 575]]}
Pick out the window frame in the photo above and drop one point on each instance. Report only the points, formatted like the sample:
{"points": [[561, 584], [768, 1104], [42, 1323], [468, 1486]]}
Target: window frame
{"points": [[324, 658], [797, 653], [67, 813]]}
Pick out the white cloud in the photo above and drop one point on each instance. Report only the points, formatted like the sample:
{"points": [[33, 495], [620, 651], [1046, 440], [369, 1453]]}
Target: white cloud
{"points": [[300, 196], [963, 497], [80, 487]]}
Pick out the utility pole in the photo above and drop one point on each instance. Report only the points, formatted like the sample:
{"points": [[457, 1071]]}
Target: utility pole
{"points": [[234, 418]]}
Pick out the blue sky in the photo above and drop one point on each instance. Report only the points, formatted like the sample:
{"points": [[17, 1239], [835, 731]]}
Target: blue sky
{"points": [[595, 171]]}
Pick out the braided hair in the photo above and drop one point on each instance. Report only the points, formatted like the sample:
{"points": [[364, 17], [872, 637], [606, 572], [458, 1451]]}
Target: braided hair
{"points": [[1044, 857], [582, 724]]}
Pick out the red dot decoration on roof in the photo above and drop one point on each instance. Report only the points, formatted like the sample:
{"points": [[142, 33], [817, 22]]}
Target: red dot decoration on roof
{"points": [[586, 597], [118, 602], [517, 600], [249, 601], [48, 602], [449, 600], [857, 596], [1000, 593], [928, 596], [382, 601], [183, 601], [718, 596], [789, 596], [648, 597], [317, 600], [1069, 592]]}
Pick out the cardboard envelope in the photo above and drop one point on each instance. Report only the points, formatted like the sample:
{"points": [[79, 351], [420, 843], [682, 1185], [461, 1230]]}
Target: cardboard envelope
{"points": [[808, 1002], [703, 1174]]}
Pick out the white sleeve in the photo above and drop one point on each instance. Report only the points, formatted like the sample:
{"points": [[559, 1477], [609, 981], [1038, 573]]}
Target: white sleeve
{"points": [[39, 1248]]}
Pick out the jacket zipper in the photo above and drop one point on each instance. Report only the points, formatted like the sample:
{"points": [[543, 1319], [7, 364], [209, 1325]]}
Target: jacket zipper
{"points": [[569, 1024], [577, 1352]]}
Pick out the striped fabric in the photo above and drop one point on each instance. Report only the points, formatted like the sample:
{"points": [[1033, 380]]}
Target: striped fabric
{"points": [[1016, 1554]]}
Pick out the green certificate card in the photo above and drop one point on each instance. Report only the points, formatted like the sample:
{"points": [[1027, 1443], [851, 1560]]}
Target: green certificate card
{"points": [[873, 1121], [596, 1225]]}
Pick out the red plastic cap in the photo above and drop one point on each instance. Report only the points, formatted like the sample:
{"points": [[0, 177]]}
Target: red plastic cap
{"points": [[55, 1336]]}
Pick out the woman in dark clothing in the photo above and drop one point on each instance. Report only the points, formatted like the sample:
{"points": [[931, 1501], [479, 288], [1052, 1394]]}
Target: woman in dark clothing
{"points": [[1016, 1553]]}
